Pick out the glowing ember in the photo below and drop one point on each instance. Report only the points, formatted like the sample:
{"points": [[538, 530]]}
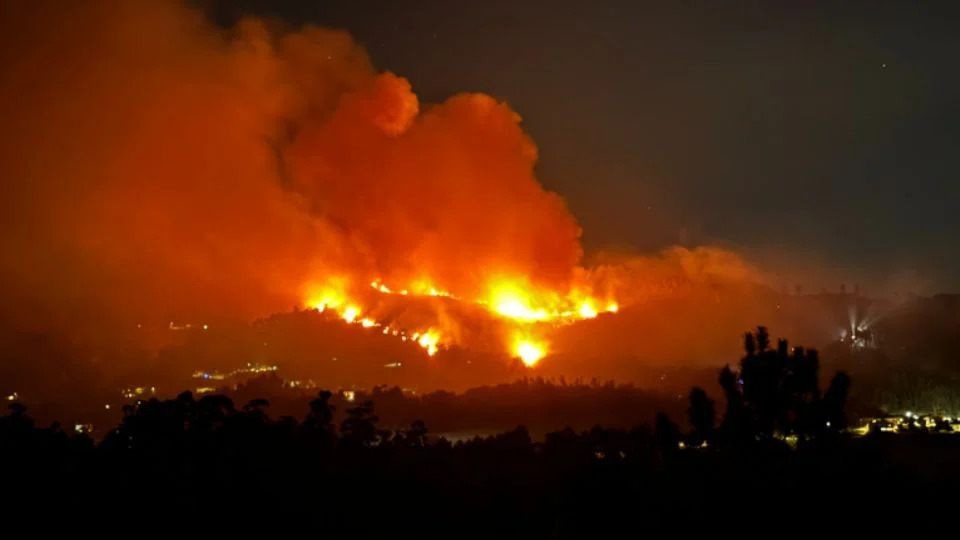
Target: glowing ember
{"points": [[510, 301], [423, 287], [350, 313], [517, 310], [529, 352], [327, 296], [429, 341], [380, 287], [587, 311]]}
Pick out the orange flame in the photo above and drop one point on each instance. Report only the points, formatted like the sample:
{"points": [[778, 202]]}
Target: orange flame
{"points": [[518, 304], [528, 350]]}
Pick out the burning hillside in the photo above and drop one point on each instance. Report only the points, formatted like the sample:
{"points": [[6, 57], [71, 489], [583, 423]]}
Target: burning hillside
{"points": [[521, 318], [516, 317], [162, 168]]}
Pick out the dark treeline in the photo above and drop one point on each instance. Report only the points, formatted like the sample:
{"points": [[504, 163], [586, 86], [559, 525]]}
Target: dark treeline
{"points": [[541, 405], [773, 454]]}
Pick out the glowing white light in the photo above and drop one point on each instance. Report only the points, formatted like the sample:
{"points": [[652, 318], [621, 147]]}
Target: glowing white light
{"points": [[350, 314], [587, 311]]}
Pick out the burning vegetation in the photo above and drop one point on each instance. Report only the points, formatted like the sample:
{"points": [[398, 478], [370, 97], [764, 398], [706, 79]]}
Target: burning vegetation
{"points": [[203, 173], [522, 319]]}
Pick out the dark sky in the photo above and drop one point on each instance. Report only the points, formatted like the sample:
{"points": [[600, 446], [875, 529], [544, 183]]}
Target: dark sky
{"points": [[822, 130]]}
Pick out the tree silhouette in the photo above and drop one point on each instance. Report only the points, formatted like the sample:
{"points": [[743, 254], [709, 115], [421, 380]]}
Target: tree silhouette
{"points": [[360, 426], [749, 344], [776, 392], [834, 401], [321, 412], [666, 433], [256, 406], [763, 339], [735, 426], [417, 434], [702, 415]]}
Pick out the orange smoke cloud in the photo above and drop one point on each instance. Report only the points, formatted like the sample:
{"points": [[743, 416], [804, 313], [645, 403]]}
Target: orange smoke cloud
{"points": [[176, 165], [157, 166], [448, 195]]}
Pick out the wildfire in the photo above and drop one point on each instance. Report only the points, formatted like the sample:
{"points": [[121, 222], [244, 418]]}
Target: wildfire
{"points": [[515, 301], [424, 288], [587, 311], [380, 287], [329, 296], [429, 341], [350, 313], [530, 352], [515, 309]]}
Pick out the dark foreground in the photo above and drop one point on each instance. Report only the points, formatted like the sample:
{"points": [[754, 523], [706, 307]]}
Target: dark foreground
{"points": [[187, 462], [779, 460]]}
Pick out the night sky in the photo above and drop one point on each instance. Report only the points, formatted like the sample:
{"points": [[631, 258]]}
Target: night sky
{"points": [[822, 131]]}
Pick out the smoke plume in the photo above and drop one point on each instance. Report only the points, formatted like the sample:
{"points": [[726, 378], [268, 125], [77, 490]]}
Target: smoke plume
{"points": [[156, 165], [159, 167]]}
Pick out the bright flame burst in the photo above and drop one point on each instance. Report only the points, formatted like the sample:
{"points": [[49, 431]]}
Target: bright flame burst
{"points": [[511, 299], [350, 314], [429, 341], [529, 351], [587, 311]]}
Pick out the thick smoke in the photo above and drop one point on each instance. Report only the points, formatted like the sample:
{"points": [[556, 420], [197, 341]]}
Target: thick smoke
{"points": [[448, 195], [157, 166]]}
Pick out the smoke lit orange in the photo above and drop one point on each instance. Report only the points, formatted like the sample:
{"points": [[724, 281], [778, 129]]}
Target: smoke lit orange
{"points": [[233, 174]]}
